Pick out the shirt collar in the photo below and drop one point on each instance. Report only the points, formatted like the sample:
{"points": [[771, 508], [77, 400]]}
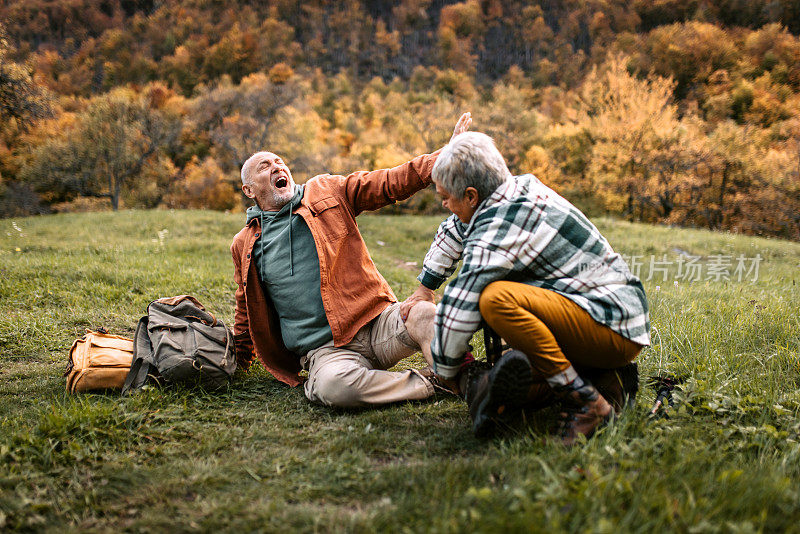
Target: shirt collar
{"points": [[510, 189]]}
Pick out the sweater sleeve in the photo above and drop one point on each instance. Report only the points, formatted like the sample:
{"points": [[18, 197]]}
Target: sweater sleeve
{"points": [[458, 315], [444, 253]]}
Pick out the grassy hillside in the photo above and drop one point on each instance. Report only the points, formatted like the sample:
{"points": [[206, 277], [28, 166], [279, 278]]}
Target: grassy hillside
{"points": [[261, 457]]}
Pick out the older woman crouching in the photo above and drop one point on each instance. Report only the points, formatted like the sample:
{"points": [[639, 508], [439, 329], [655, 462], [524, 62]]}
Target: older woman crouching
{"points": [[545, 279]]}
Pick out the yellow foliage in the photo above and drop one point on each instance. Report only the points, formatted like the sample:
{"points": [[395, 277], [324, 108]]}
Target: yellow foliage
{"points": [[644, 160], [455, 83], [464, 18], [537, 161]]}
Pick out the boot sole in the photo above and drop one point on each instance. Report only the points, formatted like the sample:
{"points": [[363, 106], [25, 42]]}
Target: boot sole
{"points": [[509, 382]]}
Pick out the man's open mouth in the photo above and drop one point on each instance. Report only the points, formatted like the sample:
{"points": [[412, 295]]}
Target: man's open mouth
{"points": [[281, 182]]}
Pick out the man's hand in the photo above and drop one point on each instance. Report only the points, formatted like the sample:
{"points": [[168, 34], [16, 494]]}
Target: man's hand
{"points": [[422, 294], [463, 124]]}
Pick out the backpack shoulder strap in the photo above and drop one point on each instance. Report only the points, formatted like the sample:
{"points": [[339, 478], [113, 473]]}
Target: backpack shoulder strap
{"points": [[142, 364], [493, 344]]}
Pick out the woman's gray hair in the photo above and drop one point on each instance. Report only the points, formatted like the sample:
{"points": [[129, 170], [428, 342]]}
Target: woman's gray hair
{"points": [[470, 160]]}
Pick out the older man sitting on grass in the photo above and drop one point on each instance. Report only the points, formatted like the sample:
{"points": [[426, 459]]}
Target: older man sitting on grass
{"points": [[308, 294], [544, 278]]}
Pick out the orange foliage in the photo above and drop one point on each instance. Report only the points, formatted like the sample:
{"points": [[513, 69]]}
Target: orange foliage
{"points": [[205, 186], [280, 73]]}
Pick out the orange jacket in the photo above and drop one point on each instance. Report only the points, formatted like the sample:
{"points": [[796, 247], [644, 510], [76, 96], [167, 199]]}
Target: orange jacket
{"points": [[353, 292]]}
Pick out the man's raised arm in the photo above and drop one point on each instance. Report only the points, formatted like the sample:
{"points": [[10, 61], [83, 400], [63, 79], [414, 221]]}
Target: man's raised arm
{"points": [[371, 190]]}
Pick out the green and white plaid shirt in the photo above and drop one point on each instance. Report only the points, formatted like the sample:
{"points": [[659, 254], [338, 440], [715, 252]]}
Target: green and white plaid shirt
{"points": [[526, 232]]}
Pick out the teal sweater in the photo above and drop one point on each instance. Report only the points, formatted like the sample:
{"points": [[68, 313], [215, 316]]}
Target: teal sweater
{"points": [[288, 265]]}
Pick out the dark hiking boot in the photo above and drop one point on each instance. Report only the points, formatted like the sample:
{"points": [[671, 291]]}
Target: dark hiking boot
{"points": [[618, 386], [496, 394], [585, 410]]}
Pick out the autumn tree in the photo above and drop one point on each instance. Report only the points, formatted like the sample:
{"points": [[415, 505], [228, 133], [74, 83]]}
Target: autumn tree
{"points": [[204, 185], [263, 112], [113, 141], [22, 103], [755, 185], [460, 26], [511, 118], [21, 99], [643, 157], [239, 119], [688, 53], [537, 36]]}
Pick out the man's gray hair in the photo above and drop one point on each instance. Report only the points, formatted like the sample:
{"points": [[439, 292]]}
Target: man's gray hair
{"points": [[470, 160], [247, 168]]}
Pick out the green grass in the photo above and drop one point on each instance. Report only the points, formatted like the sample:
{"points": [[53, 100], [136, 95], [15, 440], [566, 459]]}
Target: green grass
{"points": [[260, 457]]}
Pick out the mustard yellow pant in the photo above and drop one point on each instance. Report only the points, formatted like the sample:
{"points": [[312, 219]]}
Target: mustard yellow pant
{"points": [[553, 331]]}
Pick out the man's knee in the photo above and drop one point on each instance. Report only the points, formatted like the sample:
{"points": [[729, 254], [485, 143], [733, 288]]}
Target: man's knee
{"points": [[421, 316], [336, 386]]}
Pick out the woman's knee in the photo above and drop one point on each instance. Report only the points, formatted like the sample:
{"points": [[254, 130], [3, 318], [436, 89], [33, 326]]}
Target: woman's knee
{"points": [[494, 297]]}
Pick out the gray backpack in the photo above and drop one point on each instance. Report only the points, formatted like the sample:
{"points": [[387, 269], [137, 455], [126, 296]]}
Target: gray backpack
{"points": [[179, 342]]}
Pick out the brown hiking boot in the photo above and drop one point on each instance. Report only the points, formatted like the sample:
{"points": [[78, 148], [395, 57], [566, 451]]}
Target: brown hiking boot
{"points": [[618, 386], [585, 411], [440, 385], [494, 395]]}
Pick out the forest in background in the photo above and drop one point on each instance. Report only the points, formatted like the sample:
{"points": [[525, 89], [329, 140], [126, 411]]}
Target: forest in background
{"points": [[681, 112]]}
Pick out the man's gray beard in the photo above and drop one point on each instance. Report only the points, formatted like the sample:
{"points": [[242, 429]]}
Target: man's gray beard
{"points": [[281, 200]]}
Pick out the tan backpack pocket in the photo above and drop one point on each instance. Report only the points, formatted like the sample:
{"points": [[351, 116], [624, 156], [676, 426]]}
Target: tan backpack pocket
{"points": [[99, 361]]}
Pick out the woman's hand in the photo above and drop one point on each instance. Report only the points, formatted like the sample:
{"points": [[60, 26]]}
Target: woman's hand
{"points": [[422, 294]]}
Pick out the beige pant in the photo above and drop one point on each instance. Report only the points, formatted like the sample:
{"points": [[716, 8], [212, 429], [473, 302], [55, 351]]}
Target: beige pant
{"points": [[355, 375]]}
